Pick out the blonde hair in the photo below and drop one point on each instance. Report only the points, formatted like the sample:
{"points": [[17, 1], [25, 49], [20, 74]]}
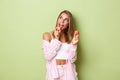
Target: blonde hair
{"points": [[69, 31]]}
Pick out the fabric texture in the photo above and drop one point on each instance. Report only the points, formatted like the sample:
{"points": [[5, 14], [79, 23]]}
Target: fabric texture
{"points": [[50, 50]]}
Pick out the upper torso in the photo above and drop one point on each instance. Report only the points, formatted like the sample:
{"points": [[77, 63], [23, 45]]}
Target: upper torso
{"points": [[62, 55]]}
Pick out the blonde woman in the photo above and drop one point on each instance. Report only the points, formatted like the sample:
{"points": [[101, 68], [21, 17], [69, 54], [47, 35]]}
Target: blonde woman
{"points": [[59, 47]]}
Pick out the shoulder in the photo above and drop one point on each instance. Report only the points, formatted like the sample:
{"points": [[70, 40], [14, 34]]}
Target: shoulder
{"points": [[47, 36]]}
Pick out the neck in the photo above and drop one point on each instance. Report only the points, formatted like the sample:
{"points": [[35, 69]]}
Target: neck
{"points": [[62, 37]]}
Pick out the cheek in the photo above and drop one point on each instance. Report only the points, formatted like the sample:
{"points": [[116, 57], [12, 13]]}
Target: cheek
{"points": [[66, 24], [58, 21]]}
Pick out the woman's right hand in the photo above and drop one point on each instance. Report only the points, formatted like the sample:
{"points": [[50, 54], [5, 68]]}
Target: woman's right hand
{"points": [[57, 32]]}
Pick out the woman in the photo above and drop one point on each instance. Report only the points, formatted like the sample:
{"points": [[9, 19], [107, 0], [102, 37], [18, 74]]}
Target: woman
{"points": [[59, 48]]}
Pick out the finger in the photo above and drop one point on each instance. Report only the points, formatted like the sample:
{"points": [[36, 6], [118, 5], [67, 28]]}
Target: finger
{"points": [[59, 31], [77, 36], [56, 29]]}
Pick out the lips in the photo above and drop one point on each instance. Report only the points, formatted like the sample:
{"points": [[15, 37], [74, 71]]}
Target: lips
{"points": [[59, 28]]}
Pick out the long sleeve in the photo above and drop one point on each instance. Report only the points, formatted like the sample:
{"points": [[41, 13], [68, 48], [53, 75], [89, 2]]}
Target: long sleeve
{"points": [[50, 48], [72, 53]]}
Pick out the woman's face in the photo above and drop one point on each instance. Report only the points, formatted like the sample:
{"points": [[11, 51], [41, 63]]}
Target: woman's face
{"points": [[63, 21]]}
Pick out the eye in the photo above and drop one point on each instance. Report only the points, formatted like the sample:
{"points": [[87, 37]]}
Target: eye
{"points": [[60, 17], [66, 20]]}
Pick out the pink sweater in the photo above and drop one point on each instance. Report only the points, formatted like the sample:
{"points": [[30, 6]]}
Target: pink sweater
{"points": [[50, 50]]}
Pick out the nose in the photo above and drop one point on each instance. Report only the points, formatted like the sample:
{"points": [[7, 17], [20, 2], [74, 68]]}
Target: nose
{"points": [[62, 20]]}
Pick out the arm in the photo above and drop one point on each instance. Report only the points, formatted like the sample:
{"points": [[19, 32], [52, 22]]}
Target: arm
{"points": [[72, 53], [50, 47]]}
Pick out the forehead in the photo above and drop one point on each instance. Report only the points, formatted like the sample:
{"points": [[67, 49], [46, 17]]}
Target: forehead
{"points": [[64, 15]]}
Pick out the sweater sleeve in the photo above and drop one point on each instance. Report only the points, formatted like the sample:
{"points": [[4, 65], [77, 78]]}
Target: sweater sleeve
{"points": [[50, 48], [72, 53]]}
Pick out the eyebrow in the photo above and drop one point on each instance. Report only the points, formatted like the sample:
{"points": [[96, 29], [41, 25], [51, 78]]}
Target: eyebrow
{"points": [[65, 18]]}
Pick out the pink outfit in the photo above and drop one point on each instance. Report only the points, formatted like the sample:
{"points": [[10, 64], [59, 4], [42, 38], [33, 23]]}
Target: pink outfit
{"points": [[50, 50]]}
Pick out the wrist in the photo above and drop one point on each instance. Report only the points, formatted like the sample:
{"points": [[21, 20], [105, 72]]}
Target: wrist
{"points": [[57, 38]]}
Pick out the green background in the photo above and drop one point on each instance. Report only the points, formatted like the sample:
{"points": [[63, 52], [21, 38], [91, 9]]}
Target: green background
{"points": [[22, 23]]}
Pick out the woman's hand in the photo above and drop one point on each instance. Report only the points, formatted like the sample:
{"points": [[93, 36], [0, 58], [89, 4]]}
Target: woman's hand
{"points": [[75, 38], [57, 32]]}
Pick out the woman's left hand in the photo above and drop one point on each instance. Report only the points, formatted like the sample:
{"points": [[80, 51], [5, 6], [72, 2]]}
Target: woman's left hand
{"points": [[75, 39]]}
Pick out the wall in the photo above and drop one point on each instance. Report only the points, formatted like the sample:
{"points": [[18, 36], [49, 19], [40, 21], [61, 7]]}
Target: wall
{"points": [[22, 23]]}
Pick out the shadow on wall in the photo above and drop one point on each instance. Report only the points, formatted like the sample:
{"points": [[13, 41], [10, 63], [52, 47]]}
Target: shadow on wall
{"points": [[79, 60]]}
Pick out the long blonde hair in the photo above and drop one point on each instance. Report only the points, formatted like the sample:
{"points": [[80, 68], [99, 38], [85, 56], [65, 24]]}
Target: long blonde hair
{"points": [[69, 31]]}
